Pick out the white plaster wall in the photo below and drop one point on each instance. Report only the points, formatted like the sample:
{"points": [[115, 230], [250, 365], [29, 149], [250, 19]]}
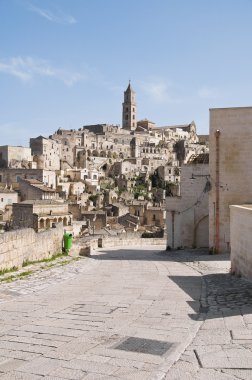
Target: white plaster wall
{"points": [[189, 210], [235, 125], [241, 240], [7, 198]]}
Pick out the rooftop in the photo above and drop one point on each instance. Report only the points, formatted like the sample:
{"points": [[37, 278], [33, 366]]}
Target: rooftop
{"points": [[4, 190], [39, 185], [41, 202], [202, 158]]}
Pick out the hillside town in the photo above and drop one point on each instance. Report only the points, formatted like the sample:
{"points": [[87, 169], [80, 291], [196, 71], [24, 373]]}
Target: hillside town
{"points": [[99, 179]]}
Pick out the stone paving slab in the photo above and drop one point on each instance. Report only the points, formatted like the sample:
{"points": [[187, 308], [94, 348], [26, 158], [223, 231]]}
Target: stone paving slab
{"points": [[66, 323]]}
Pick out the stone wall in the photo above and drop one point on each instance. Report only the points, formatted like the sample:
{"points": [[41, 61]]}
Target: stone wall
{"points": [[85, 246], [187, 215], [241, 240], [25, 244], [16, 153], [235, 155], [123, 241], [11, 176]]}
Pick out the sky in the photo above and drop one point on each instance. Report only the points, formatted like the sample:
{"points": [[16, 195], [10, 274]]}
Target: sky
{"points": [[66, 63]]}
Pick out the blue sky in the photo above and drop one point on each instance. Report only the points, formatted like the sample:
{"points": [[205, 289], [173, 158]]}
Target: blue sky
{"points": [[66, 63]]}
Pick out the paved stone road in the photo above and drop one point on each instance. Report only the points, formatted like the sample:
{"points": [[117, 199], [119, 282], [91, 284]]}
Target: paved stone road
{"points": [[128, 314]]}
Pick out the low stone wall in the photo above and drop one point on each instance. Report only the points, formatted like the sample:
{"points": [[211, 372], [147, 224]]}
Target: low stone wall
{"points": [[241, 240], [83, 247], [27, 245], [123, 241]]}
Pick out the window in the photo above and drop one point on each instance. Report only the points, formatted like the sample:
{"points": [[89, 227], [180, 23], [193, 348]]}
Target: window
{"points": [[154, 217], [133, 117], [126, 117], [1, 199]]}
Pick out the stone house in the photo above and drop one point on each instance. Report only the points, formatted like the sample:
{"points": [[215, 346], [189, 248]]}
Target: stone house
{"points": [[154, 216], [148, 215], [125, 184], [46, 152], [97, 219], [110, 196], [40, 214], [72, 190], [119, 209], [137, 208], [32, 189], [169, 173], [7, 197], [15, 157], [145, 125], [12, 177]]}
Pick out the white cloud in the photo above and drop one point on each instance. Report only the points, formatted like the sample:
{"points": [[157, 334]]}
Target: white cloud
{"points": [[57, 16], [162, 91], [26, 68], [157, 90]]}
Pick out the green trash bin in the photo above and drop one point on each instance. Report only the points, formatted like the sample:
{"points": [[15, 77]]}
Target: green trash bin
{"points": [[68, 239]]}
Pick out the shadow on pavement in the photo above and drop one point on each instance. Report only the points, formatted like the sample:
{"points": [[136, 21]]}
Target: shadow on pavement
{"points": [[156, 254], [222, 294]]}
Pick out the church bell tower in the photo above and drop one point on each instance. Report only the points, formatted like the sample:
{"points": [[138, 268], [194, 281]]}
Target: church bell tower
{"points": [[129, 109]]}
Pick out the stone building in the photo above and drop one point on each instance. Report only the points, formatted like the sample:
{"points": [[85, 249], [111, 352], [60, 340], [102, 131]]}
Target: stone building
{"points": [[230, 154], [67, 149], [97, 219], [40, 214], [15, 157], [153, 216], [11, 177], [145, 125], [46, 152], [32, 189], [7, 197], [187, 219], [129, 121], [169, 173]]}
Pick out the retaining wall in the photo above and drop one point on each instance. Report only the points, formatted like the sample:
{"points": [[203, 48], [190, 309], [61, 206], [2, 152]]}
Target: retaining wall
{"points": [[27, 245], [84, 246], [123, 241], [241, 240]]}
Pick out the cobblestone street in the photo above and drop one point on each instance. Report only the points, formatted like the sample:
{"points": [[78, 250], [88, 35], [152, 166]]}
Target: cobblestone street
{"points": [[128, 314]]}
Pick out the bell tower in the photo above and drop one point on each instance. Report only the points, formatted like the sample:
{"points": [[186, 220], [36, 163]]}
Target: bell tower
{"points": [[129, 109]]}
